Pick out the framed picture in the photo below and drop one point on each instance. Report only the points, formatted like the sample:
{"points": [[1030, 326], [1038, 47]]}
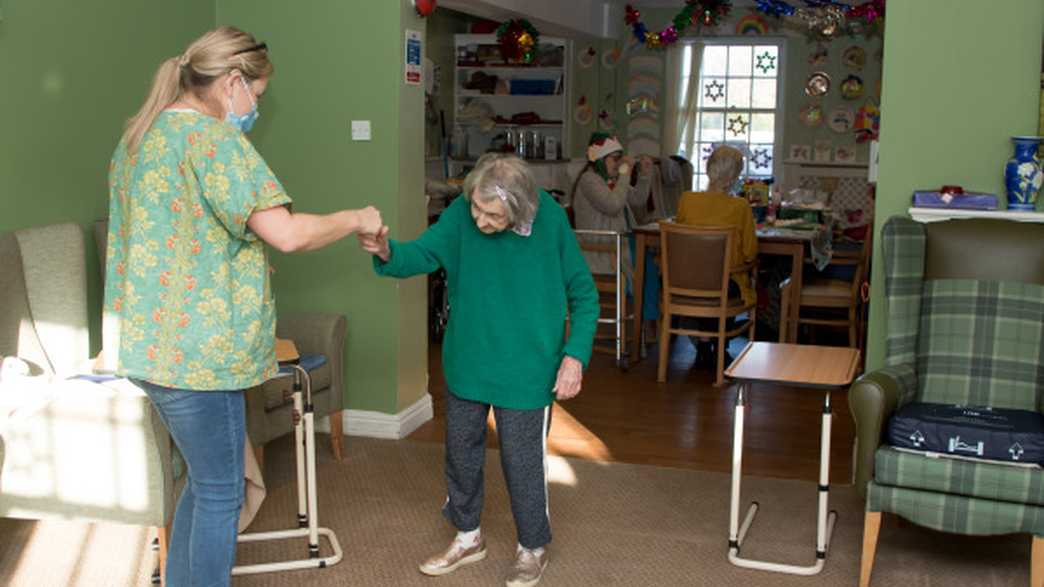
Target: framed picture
{"points": [[823, 151], [845, 154], [799, 153]]}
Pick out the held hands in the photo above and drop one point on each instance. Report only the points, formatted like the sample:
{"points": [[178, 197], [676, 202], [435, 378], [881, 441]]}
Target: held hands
{"points": [[375, 243], [368, 220], [570, 375]]}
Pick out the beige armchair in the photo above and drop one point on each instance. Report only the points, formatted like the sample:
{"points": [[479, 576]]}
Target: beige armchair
{"points": [[71, 449]]}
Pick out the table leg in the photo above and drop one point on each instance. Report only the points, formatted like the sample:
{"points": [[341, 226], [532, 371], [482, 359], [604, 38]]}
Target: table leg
{"points": [[797, 261], [824, 521], [637, 285]]}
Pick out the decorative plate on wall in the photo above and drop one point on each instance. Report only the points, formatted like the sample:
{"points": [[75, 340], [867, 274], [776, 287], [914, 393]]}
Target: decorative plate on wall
{"points": [[841, 120], [586, 58], [812, 115], [852, 87], [818, 84], [854, 57]]}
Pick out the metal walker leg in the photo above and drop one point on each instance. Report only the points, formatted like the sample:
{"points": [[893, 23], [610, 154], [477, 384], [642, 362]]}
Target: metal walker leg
{"points": [[824, 520], [307, 506]]}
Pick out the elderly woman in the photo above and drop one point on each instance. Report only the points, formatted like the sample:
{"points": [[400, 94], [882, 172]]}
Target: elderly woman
{"points": [[515, 274], [717, 207]]}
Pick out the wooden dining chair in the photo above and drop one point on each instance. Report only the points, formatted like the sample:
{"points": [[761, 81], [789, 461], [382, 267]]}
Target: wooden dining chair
{"points": [[697, 264], [822, 294]]}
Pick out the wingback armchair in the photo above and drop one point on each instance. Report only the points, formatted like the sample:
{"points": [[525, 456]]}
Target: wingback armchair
{"points": [[71, 449], [965, 319]]}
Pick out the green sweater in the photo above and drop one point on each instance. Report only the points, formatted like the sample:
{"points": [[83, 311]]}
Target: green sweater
{"points": [[509, 296]]}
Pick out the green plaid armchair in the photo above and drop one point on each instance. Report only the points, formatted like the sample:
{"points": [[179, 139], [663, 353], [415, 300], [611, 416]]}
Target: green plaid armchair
{"points": [[965, 315]]}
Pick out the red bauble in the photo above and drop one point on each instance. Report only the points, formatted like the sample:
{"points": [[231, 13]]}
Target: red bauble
{"points": [[424, 7]]}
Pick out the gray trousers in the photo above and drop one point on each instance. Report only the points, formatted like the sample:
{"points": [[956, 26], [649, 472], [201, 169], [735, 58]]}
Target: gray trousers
{"points": [[523, 446]]}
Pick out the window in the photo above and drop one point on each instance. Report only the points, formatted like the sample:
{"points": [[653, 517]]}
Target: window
{"points": [[737, 99]]}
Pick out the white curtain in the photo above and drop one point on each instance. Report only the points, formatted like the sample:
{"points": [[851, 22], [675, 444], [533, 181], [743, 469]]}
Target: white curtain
{"points": [[683, 92]]}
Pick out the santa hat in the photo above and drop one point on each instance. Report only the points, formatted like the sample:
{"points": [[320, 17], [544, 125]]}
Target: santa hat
{"points": [[602, 145]]}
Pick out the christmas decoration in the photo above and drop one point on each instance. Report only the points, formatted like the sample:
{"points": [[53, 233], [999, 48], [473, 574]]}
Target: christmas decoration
{"points": [[766, 62], [827, 19], [738, 125], [518, 41], [714, 91], [424, 7], [695, 12], [751, 24]]}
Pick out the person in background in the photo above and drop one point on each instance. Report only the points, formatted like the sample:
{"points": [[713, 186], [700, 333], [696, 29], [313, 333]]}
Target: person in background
{"points": [[718, 207], [515, 274], [189, 313], [605, 196]]}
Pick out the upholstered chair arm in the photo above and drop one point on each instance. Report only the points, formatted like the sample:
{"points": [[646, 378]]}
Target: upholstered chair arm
{"points": [[873, 398], [319, 333]]}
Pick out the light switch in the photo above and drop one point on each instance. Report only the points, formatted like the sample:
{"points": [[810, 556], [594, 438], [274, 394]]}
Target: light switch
{"points": [[361, 130]]}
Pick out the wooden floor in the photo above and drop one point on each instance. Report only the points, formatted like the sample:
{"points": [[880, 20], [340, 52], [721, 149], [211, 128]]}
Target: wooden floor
{"points": [[684, 423]]}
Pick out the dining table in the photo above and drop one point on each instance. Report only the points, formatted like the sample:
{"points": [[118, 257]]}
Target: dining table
{"points": [[772, 241]]}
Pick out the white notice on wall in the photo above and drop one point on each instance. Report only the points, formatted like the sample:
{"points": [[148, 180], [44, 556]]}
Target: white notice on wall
{"points": [[413, 58]]}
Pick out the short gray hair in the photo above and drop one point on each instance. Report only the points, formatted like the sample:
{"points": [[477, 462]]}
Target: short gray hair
{"points": [[505, 176], [725, 163]]}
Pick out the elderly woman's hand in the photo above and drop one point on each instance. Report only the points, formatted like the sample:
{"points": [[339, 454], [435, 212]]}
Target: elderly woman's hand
{"points": [[570, 375], [376, 244]]}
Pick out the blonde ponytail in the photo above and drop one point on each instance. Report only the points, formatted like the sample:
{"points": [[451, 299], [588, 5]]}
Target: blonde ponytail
{"points": [[209, 57], [166, 88]]}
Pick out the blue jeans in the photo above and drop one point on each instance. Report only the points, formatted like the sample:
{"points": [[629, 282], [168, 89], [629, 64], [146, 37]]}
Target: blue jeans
{"points": [[209, 428]]}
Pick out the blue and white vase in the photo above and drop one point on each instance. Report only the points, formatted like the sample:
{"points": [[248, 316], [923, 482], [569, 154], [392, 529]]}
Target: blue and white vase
{"points": [[1023, 176]]}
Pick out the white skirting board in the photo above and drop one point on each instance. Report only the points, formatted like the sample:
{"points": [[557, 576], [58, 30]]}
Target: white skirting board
{"points": [[381, 425]]}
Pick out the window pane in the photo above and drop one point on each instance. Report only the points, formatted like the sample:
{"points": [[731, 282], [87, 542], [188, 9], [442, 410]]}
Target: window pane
{"points": [[700, 165], [737, 126], [701, 182], [712, 126], [712, 93], [738, 95], [766, 61], [760, 162], [715, 60], [740, 61], [764, 93], [763, 128]]}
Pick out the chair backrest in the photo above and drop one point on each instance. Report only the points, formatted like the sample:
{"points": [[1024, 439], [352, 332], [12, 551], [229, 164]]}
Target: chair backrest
{"points": [[43, 296], [972, 291], [695, 260]]}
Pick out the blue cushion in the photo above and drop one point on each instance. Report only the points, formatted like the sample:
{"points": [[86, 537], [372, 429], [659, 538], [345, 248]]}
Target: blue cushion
{"points": [[309, 362]]}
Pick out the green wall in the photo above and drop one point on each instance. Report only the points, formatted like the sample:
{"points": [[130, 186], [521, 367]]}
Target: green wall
{"points": [[335, 63], [949, 107], [73, 71]]}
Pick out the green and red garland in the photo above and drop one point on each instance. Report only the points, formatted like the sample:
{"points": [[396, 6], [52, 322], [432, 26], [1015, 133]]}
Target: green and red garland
{"points": [[695, 12], [518, 41]]}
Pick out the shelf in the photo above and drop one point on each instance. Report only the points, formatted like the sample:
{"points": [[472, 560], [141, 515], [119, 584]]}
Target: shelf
{"points": [[938, 214], [851, 165], [507, 125], [554, 68], [502, 96]]}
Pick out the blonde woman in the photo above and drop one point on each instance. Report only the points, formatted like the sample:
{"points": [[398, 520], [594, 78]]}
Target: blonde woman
{"points": [[514, 272], [189, 312]]}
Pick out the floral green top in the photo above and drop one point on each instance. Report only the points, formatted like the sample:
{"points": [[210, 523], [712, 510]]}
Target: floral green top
{"points": [[187, 285]]}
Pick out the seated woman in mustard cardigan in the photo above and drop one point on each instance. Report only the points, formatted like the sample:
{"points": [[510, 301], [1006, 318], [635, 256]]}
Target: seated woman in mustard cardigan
{"points": [[717, 207]]}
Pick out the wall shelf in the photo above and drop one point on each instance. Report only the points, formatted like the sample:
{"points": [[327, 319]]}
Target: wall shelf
{"points": [[940, 214]]}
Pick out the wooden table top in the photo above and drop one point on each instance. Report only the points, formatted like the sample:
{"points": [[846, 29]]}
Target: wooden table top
{"points": [[765, 233], [796, 364]]}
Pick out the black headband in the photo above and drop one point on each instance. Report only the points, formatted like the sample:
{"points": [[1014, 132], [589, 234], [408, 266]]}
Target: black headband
{"points": [[256, 47]]}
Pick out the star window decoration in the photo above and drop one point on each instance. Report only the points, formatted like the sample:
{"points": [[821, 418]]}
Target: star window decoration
{"points": [[766, 62], [714, 91], [761, 158], [738, 125]]}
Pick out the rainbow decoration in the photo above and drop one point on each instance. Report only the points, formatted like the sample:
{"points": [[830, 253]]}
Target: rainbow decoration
{"points": [[751, 24]]}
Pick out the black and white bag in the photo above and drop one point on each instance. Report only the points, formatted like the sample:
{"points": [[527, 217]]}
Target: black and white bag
{"points": [[1015, 436]]}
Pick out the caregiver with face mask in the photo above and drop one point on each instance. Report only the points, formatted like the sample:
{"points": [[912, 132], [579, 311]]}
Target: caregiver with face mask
{"points": [[189, 313]]}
